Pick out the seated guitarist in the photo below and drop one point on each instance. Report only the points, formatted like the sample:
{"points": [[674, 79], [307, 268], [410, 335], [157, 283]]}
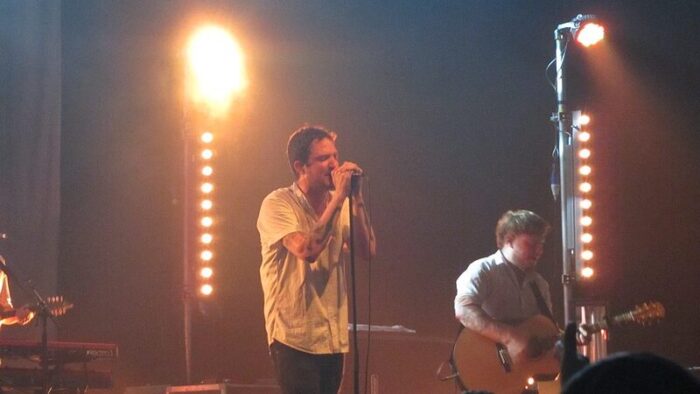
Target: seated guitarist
{"points": [[497, 291], [9, 315]]}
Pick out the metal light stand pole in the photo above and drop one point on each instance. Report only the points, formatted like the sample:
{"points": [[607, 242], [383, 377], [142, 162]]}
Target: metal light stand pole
{"points": [[566, 174], [186, 267], [206, 64]]}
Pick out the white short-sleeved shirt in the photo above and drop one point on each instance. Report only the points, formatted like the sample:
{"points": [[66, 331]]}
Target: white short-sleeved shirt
{"points": [[306, 304], [491, 284]]}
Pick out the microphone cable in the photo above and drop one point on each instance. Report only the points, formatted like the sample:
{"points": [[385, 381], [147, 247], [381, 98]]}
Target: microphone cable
{"points": [[368, 218]]}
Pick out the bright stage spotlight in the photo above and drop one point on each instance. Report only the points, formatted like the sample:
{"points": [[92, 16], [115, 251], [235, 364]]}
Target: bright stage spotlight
{"points": [[207, 137], [206, 272], [587, 255], [583, 28], [587, 272], [586, 204], [206, 255], [586, 238], [590, 34], [207, 154], [217, 68], [206, 187], [206, 289], [206, 205]]}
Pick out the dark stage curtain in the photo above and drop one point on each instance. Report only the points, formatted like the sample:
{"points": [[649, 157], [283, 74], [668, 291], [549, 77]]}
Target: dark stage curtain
{"points": [[30, 130]]}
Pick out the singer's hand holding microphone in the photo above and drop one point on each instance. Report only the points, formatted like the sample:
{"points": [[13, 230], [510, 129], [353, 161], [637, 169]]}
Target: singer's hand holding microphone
{"points": [[343, 178]]}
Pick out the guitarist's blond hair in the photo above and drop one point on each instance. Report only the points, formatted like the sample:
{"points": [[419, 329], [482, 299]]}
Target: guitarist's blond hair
{"points": [[517, 222]]}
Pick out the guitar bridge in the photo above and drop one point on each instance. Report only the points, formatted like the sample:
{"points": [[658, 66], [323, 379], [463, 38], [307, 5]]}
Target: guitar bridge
{"points": [[504, 357]]}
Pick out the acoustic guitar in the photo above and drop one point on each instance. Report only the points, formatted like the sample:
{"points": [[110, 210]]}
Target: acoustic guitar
{"points": [[482, 364], [55, 305]]}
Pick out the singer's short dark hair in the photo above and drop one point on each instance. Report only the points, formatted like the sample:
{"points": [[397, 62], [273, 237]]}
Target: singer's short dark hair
{"points": [[518, 222], [299, 144]]}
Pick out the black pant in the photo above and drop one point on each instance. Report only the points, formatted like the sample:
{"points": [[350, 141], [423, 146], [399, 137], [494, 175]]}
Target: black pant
{"points": [[305, 373]]}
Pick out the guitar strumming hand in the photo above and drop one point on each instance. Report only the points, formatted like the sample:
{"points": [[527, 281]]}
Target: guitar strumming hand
{"points": [[21, 316], [522, 345]]}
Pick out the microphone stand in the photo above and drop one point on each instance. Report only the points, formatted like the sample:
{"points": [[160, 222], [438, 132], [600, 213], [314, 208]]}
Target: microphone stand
{"points": [[43, 314], [355, 354]]}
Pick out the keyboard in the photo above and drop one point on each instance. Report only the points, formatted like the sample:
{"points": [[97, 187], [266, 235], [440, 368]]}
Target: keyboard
{"points": [[59, 352]]}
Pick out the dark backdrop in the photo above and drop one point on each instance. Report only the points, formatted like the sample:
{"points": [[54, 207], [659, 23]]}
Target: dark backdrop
{"points": [[446, 106], [30, 140]]}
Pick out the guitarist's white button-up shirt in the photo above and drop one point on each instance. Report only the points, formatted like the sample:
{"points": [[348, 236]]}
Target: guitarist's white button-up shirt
{"points": [[491, 284]]}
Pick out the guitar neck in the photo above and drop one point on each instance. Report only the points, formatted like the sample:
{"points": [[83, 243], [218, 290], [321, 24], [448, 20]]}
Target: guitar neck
{"points": [[623, 318], [644, 313]]}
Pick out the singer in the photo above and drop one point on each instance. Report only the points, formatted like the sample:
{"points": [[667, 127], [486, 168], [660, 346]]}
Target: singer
{"points": [[303, 229]]}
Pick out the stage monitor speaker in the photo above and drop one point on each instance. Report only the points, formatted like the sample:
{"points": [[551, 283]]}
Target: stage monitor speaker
{"points": [[400, 363]]}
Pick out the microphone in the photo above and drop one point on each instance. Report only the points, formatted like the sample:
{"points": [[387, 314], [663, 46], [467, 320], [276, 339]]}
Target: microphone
{"points": [[355, 179], [554, 182]]}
